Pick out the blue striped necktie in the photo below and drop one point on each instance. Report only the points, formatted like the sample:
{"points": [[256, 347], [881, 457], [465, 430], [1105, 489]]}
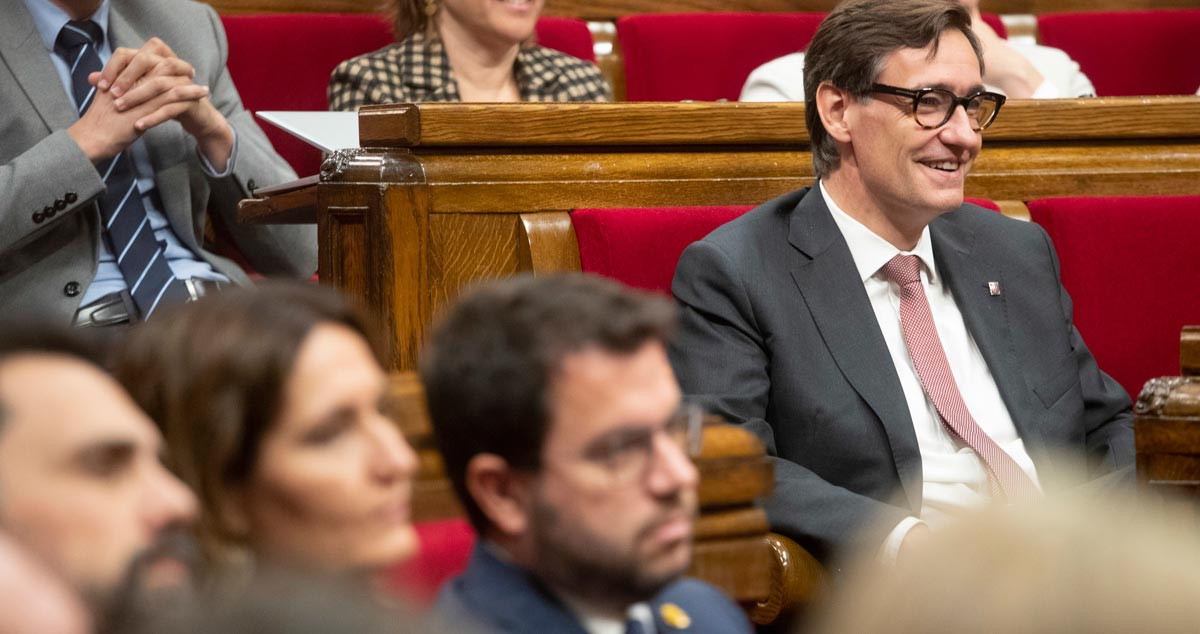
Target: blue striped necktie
{"points": [[140, 257]]}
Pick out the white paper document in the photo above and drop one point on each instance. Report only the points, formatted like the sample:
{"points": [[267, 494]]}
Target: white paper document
{"points": [[328, 131]]}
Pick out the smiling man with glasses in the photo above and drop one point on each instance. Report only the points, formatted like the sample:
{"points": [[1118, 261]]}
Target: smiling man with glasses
{"points": [[904, 355], [568, 442]]}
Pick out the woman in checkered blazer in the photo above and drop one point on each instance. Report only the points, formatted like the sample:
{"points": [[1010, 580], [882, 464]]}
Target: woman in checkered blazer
{"points": [[464, 50]]}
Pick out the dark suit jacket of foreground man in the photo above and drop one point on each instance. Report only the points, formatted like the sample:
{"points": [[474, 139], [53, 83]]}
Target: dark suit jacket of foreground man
{"points": [[778, 334], [495, 596], [41, 165]]}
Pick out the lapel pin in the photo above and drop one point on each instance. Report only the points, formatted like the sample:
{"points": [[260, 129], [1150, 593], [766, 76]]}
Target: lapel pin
{"points": [[994, 289], [674, 616]]}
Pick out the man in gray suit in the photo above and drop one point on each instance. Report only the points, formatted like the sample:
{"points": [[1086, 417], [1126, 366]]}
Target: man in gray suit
{"points": [[904, 355], [164, 116]]}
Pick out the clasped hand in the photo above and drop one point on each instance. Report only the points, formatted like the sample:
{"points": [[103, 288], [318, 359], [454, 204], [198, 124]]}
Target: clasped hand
{"points": [[142, 88]]}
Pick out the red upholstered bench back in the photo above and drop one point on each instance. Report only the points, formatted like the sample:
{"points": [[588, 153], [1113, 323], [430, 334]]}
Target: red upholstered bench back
{"points": [[641, 246], [1132, 268], [444, 551], [708, 56], [1130, 52], [569, 35], [283, 61]]}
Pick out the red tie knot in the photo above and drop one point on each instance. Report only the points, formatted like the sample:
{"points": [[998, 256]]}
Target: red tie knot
{"points": [[903, 269]]}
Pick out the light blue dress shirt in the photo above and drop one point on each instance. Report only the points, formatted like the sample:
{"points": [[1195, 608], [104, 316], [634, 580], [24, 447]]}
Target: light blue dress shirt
{"points": [[49, 20]]}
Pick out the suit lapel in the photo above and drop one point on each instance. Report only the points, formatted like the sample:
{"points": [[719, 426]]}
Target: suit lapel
{"points": [[829, 282], [967, 273], [21, 49]]}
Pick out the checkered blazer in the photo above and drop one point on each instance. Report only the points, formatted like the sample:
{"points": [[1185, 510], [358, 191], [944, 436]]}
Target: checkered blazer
{"points": [[417, 69]]}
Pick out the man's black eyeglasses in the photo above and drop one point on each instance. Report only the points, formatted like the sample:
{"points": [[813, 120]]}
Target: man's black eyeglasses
{"points": [[933, 107]]}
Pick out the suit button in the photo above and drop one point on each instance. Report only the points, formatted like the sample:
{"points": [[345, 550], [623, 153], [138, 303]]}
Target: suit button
{"points": [[39, 217], [71, 197], [251, 185], [60, 205], [71, 289]]}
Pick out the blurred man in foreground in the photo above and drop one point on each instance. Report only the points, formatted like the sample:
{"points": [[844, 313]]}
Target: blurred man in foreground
{"points": [[563, 430]]}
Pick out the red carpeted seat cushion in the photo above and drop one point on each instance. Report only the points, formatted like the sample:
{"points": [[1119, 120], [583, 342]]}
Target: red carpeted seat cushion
{"points": [[641, 246], [283, 61], [708, 56], [705, 56], [445, 548], [1130, 52], [568, 35], [1133, 270]]}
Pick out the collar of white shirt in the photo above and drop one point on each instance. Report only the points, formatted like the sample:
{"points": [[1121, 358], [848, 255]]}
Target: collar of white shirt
{"points": [[870, 252]]}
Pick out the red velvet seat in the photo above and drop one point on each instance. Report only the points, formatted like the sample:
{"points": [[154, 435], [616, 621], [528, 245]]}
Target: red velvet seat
{"points": [[1130, 52], [445, 548], [708, 56], [283, 61], [641, 246], [705, 56], [569, 35], [1132, 268]]}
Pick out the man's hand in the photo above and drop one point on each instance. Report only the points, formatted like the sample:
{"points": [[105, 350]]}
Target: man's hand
{"points": [[104, 130], [142, 77]]}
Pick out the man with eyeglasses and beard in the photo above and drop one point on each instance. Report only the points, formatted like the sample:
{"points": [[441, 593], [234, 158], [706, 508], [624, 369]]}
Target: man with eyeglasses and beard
{"points": [[81, 484], [904, 355], [566, 438]]}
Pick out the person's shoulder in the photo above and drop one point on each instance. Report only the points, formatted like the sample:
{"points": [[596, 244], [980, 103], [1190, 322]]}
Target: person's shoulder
{"points": [[179, 12], [781, 79], [564, 76], [768, 219], [559, 59], [699, 607], [389, 56]]}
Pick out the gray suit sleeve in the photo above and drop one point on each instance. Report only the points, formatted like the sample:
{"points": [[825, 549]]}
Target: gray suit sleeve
{"points": [[289, 250], [1107, 414], [721, 359], [55, 170]]}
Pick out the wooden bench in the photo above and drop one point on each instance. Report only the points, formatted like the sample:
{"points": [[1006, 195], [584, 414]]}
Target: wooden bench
{"points": [[1167, 427], [447, 194]]}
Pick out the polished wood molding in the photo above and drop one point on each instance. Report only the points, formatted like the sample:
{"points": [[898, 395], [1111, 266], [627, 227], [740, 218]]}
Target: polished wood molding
{"points": [[1167, 428], [1189, 351]]}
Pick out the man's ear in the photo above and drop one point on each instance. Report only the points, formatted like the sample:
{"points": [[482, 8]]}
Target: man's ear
{"points": [[832, 106], [500, 491]]}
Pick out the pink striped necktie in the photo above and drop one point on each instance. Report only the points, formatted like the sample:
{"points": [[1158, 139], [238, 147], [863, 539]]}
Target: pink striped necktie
{"points": [[1007, 479]]}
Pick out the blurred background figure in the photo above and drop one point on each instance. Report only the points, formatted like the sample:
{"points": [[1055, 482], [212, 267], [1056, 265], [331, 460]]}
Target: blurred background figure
{"points": [[1111, 567], [33, 600], [464, 50], [269, 399], [1019, 70], [81, 485], [286, 604]]}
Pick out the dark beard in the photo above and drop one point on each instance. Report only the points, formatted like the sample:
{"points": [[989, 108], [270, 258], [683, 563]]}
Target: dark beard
{"points": [[568, 561], [131, 605]]}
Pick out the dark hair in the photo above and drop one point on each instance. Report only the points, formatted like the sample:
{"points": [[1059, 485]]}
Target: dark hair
{"points": [[212, 375], [852, 43], [35, 337], [490, 362]]}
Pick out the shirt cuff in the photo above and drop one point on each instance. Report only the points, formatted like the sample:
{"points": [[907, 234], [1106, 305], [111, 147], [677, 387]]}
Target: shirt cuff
{"points": [[208, 168], [890, 549]]}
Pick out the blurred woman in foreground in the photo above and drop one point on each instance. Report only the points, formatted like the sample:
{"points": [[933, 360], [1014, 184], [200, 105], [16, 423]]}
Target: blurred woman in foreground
{"points": [[269, 401]]}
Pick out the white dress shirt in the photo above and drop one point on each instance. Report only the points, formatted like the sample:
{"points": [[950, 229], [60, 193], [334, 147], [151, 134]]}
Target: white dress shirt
{"points": [[953, 476]]}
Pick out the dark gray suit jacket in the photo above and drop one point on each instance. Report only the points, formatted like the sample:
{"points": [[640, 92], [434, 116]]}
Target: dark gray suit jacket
{"points": [[40, 166], [778, 334], [492, 596]]}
